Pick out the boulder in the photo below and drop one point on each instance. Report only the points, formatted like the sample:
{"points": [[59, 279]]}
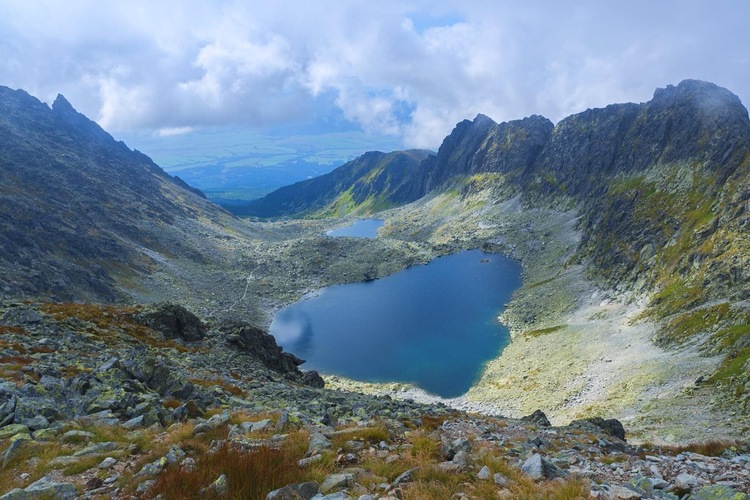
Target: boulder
{"points": [[261, 345], [538, 467], [299, 491], [538, 418], [173, 321], [612, 427]]}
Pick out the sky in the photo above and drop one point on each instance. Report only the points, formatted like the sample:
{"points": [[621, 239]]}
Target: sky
{"points": [[406, 69]]}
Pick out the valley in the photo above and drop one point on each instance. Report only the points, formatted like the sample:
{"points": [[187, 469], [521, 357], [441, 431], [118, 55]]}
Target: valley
{"points": [[133, 306]]}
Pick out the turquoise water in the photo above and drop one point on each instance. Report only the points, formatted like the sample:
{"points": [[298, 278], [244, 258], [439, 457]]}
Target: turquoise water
{"points": [[365, 228], [433, 325]]}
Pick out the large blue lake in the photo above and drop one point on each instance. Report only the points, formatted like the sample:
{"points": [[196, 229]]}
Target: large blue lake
{"points": [[433, 325]]}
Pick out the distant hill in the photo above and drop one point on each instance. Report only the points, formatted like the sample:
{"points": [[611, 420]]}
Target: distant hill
{"points": [[372, 182]]}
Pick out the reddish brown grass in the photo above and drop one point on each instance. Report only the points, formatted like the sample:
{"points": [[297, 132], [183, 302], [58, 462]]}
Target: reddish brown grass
{"points": [[251, 475]]}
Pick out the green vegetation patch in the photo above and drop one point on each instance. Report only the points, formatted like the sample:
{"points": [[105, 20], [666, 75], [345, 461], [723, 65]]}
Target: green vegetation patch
{"points": [[543, 331], [688, 325]]}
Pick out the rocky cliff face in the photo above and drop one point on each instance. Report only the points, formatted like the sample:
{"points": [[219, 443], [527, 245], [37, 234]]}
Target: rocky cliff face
{"points": [[78, 208]]}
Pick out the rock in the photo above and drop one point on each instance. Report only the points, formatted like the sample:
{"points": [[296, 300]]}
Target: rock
{"points": [[43, 488], [261, 345], [718, 492], [76, 436], [175, 454], [188, 464], [622, 493], [47, 434], [406, 477], [500, 479], [686, 481], [12, 430], [12, 451], [256, 426], [96, 448], [613, 427], [36, 423], [334, 481], [299, 491], [537, 467], [94, 483], [221, 486], [145, 486], [538, 418], [152, 469], [318, 442], [304, 462], [173, 321], [313, 379], [484, 473], [108, 463], [460, 458], [133, 423]]}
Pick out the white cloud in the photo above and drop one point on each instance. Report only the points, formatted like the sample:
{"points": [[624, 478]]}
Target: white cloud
{"points": [[410, 68]]}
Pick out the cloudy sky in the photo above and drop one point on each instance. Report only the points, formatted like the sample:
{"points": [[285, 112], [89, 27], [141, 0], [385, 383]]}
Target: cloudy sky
{"points": [[410, 69]]}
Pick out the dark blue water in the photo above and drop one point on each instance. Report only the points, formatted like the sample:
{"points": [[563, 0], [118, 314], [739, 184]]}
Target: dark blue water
{"points": [[365, 228], [433, 325]]}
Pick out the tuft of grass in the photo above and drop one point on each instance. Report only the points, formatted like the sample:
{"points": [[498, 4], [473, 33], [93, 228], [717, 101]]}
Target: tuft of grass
{"points": [[425, 449], [228, 387], [251, 475], [705, 448], [17, 330]]}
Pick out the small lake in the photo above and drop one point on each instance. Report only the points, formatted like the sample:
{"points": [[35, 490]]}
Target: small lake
{"points": [[432, 325], [365, 228]]}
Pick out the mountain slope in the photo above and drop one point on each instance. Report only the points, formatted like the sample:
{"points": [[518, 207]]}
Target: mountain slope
{"points": [[368, 183], [80, 211]]}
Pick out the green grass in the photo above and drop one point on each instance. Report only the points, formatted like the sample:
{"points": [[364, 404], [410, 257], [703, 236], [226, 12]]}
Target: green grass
{"points": [[543, 331]]}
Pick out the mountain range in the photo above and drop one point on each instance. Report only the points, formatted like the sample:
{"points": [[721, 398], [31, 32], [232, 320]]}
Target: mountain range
{"points": [[655, 195]]}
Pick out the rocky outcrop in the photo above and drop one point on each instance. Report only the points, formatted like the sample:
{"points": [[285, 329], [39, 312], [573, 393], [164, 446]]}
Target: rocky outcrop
{"points": [[173, 321], [81, 213]]}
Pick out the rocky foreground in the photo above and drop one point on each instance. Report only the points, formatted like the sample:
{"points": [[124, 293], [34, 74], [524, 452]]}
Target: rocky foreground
{"points": [[145, 402]]}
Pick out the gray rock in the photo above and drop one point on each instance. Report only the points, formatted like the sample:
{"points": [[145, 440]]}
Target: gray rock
{"points": [[336, 481], [339, 495], [221, 486], [406, 477], [152, 469], [133, 422], [537, 467], [173, 321], [12, 451], [500, 479], [622, 493], [538, 418], [76, 436], [36, 423], [304, 462], [145, 486], [175, 454], [108, 463], [718, 492], [299, 491], [686, 481], [44, 488], [460, 458], [13, 429], [484, 473], [317, 442], [96, 448]]}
